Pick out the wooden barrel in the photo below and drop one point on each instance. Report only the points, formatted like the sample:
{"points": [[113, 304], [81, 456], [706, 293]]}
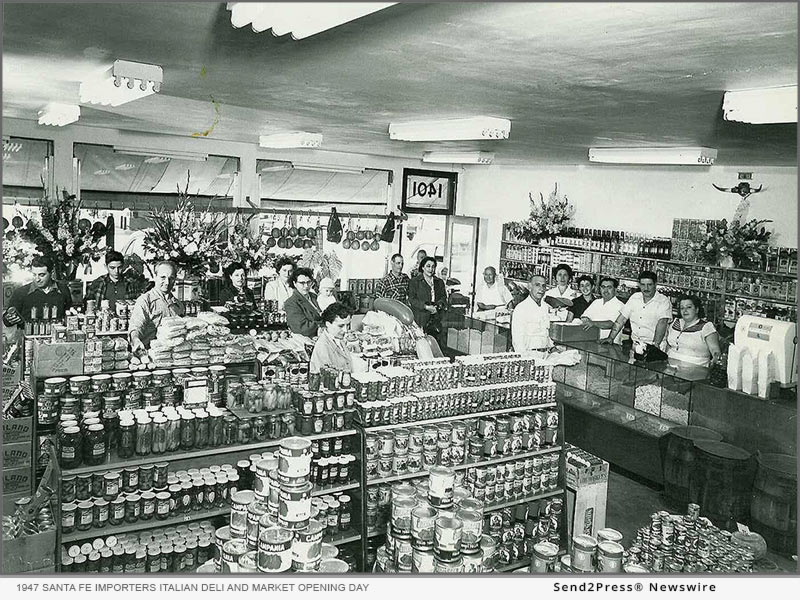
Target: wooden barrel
{"points": [[677, 460], [773, 507], [722, 483]]}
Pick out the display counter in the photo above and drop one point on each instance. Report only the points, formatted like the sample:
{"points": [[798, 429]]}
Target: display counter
{"points": [[463, 334], [620, 409]]}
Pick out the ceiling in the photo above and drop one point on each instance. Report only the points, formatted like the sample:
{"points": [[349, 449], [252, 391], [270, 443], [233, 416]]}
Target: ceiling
{"points": [[569, 76]]}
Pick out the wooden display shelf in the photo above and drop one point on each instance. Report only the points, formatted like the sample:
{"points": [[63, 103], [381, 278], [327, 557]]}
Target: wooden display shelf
{"points": [[334, 489], [153, 523], [197, 452], [486, 413], [499, 506], [514, 566], [343, 537], [761, 298], [481, 463]]}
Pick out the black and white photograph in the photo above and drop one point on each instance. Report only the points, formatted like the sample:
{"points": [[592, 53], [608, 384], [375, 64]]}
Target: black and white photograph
{"points": [[381, 298]]}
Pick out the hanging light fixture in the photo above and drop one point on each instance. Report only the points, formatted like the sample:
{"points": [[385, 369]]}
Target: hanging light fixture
{"points": [[301, 19], [760, 106], [124, 82], [292, 139], [473, 128], [700, 156], [464, 158], [58, 115]]}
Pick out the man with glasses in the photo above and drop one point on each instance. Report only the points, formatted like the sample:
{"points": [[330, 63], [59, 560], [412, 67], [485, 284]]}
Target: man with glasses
{"points": [[302, 310], [603, 312]]}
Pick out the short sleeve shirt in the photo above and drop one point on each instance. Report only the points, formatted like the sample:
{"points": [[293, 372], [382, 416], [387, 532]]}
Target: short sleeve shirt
{"points": [[688, 344], [644, 316]]}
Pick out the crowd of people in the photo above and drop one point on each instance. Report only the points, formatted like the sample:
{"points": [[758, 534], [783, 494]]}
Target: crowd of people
{"points": [[312, 309]]}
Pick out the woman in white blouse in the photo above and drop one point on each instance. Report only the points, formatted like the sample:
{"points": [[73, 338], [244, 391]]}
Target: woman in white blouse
{"points": [[563, 276], [280, 289], [690, 338]]}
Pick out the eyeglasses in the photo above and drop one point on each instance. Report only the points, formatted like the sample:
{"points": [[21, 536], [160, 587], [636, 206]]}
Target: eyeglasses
{"points": [[303, 282]]}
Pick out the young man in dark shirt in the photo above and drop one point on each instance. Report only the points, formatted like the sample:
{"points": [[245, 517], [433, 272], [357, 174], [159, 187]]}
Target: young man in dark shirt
{"points": [[30, 301]]}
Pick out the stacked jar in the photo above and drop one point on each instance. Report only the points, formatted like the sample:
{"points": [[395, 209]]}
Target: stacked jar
{"points": [[324, 411], [170, 550], [147, 492], [519, 529]]}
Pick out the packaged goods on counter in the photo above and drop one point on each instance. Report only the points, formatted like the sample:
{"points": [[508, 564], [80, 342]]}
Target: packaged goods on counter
{"points": [[437, 526]]}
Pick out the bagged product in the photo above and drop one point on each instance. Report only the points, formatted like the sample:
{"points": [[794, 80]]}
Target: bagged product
{"points": [[195, 323], [767, 371], [749, 372], [212, 318], [734, 368]]}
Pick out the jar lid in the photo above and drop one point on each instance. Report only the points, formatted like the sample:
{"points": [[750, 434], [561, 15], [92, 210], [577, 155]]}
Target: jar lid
{"points": [[96, 427], [72, 430]]}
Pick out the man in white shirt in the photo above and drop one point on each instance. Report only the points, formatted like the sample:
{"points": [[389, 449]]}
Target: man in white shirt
{"points": [[491, 293], [649, 312], [530, 321], [603, 312]]}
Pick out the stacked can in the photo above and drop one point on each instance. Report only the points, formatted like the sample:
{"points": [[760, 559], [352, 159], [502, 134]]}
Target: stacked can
{"points": [[324, 411], [513, 480], [518, 529], [513, 433], [687, 543], [170, 550]]}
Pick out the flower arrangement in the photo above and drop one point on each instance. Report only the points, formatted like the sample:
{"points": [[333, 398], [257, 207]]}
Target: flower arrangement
{"points": [[547, 217], [59, 233], [743, 245], [244, 247], [323, 264], [18, 253], [185, 236]]}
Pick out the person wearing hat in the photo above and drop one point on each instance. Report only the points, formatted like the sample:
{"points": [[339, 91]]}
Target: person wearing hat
{"points": [[327, 295], [562, 291], [114, 285]]}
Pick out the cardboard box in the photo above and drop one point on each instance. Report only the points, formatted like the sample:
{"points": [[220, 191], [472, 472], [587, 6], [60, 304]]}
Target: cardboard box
{"points": [[565, 332], [17, 481], [587, 494], [17, 430], [17, 455], [34, 553]]}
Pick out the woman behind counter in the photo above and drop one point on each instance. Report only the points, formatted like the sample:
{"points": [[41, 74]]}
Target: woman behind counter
{"points": [[563, 276], [690, 338], [330, 351], [584, 300], [234, 286], [427, 297], [280, 289]]}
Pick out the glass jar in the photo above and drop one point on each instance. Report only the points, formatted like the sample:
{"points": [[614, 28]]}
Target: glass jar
{"points": [[254, 397], [244, 432], [188, 435], [144, 436], [202, 429], [126, 444], [94, 446], [270, 401], [259, 427], [70, 448], [230, 428], [159, 435], [217, 430]]}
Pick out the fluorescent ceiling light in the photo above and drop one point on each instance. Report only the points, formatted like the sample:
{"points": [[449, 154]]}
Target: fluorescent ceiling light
{"points": [[162, 155], [758, 106], [101, 172], [123, 82], [58, 115], [654, 156], [125, 167], [473, 158], [473, 128], [301, 19], [328, 168], [292, 139]]}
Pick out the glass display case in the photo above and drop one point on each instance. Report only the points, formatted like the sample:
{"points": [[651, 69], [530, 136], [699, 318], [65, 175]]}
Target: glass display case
{"points": [[649, 399], [468, 335]]}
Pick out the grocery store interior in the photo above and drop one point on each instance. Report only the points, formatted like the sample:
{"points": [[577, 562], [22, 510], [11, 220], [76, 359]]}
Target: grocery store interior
{"points": [[400, 288]]}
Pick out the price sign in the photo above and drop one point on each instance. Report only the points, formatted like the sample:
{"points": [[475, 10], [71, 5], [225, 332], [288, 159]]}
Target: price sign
{"points": [[195, 392], [60, 358], [431, 192]]}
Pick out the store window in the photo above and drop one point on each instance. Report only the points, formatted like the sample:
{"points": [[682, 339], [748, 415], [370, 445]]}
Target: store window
{"points": [[26, 173], [126, 184], [303, 196]]}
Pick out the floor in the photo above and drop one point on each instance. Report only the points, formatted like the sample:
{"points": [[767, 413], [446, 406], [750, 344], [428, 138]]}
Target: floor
{"points": [[630, 504]]}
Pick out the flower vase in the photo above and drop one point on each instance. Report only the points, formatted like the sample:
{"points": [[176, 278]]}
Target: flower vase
{"points": [[727, 262]]}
